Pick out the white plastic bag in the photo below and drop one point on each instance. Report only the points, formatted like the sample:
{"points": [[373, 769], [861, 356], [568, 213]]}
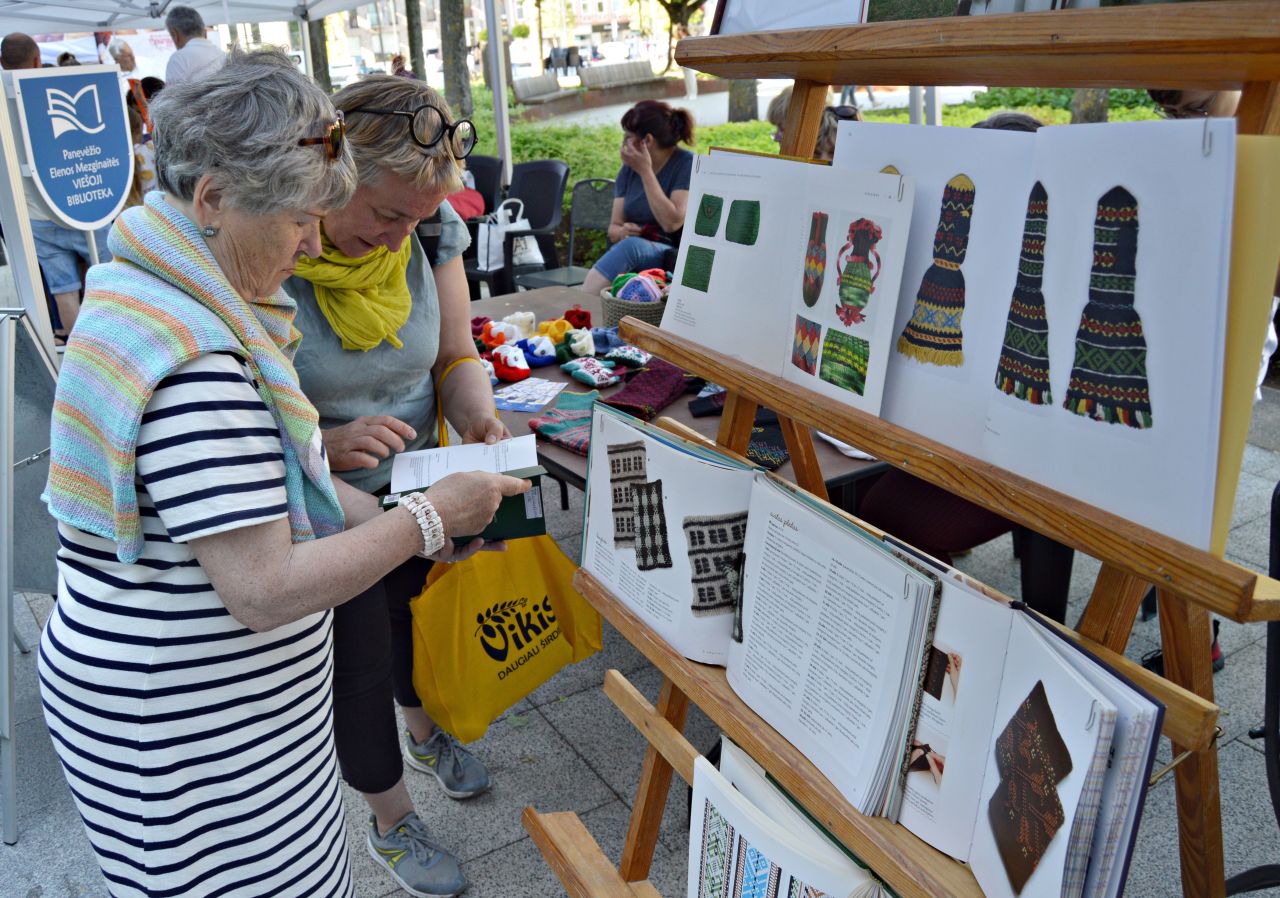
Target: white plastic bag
{"points": [[491, 235]]}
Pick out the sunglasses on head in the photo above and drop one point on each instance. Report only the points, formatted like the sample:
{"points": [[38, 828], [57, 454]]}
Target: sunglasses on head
{"points": [[846, 113], [332, 140], [428, 127]]}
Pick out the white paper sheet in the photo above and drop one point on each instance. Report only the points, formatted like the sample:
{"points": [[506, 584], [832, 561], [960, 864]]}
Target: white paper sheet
{"points": [[414, 470]]}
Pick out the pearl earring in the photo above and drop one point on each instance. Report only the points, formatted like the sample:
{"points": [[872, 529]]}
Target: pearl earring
{"points": [[209, 231]]}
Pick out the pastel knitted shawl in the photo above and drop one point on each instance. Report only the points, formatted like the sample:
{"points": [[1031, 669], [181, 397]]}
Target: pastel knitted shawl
{"points": [[162, 302]]}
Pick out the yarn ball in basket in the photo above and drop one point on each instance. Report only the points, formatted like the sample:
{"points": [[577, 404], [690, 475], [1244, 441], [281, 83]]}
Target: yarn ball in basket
{"points": [[640, 288]]}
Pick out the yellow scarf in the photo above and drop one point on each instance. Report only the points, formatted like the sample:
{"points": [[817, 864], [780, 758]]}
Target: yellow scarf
{"points": [[365, 300]]}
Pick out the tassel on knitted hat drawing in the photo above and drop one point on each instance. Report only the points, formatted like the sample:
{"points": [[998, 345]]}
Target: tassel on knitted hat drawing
{"points": [[1024, 361], [859, 265], [1109, 379], [815, 260], [933, 334]]}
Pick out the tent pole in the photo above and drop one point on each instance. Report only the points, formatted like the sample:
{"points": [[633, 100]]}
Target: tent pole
{"points": [[498, 78]]}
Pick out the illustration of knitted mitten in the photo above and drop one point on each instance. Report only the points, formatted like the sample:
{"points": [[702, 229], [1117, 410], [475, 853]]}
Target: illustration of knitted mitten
{"points": [[859, 265], [815, 260], [1024, 361], [1109, 378], [592, 372], [933, 334]]}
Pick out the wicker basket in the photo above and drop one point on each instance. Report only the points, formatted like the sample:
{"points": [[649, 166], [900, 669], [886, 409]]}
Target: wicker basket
{"points": [[616, 309]]}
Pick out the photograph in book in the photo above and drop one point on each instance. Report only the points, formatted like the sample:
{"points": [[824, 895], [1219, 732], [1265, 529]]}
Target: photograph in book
{"points": [[794, 269]]}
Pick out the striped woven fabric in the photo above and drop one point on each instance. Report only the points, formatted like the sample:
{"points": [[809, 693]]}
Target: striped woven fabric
{"points": [[162, 302], [1024, 361]]}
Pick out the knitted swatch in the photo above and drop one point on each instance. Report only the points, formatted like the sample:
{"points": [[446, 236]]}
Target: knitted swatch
{"points": [[1024, 361], [652, 389], [804, 345], [717, 854], [697, 268], [860, 266], [815, 260], [1109, 379], [743, 224], [569, 423], [933, 334], [844, 361], [708, 220], [653, 548], [627, 466], [714, 543]]}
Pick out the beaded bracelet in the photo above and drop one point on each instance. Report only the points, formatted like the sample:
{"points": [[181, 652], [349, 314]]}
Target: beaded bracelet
{"points": [[429, 521]]}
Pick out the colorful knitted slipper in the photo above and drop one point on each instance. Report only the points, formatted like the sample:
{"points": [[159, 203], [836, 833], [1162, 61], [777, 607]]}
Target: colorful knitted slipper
{"points": [[860, 266], [1109, 378], [815, 260], [1023, 370], [933, 334]]}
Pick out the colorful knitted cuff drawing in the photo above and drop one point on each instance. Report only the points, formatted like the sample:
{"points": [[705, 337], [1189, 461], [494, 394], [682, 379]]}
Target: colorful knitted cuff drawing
{"points": [[569, 423], [815, 260], [933, 335], [715, 545], [1023, 370], [697, 268], [859, 265], [1109, 378], [804, 344], [708, 220], [653, 548], [627, 467], [844, 361], [743, 224], [651, 390], [756, 875]]}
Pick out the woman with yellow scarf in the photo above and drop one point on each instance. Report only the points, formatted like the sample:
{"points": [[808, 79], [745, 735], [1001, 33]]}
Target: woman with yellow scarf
{"points": [[385, 330]]}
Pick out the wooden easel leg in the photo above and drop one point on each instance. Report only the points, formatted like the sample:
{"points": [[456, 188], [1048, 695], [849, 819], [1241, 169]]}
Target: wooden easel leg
{"points": [[1186, 638], [651, 796], [804, 118], [804, 461], [1112, 609], [1259, 111], [736, 422]]}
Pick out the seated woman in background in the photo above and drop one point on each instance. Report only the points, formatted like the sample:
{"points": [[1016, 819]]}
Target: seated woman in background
{"points": [[651, 193]]}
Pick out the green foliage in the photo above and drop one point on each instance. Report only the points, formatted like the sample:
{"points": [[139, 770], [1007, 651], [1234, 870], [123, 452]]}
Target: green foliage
{"points": [[1055, 97], [757, 136], [519, 31]]}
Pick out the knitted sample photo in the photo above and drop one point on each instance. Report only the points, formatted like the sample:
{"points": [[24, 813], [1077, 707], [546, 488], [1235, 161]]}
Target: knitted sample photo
{"points": [[933, 334], [1109, 378], [815, 260], [715, 868], [844, 361], [743, 224], [714, 544], [627, 468], [697, 268], [1023, 370], [653, 548], [708, 220], [756, 876], [804, 345], [859, 265]]}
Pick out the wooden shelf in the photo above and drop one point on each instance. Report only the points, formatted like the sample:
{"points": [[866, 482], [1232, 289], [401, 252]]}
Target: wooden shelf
{"points": [[1213, 45]]}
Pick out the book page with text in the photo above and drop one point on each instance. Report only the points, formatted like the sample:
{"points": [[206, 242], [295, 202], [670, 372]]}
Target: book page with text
{"points": [[414, 470]]}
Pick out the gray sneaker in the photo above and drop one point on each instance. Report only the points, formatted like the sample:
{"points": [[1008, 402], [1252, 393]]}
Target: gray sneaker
{"points": [[417, 863], [460, 773]]}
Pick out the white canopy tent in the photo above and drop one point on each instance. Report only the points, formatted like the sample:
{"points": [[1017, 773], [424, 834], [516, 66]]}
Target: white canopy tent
{"points": [[109, 15]]}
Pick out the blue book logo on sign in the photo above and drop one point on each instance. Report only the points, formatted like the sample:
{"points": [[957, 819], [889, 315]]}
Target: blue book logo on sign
{"points": [[79, 149]]}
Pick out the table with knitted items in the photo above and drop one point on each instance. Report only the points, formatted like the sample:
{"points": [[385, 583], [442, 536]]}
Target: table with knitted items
{"points": [[627, 470], [714, 544], [815, 260], [1109, 377], [844, 361], [653, 547], [697, 268], [1023, 370], [743, 223], [859, 266], [650, 390], [707, 221], [934, 335], [569, 423], [805, 343]]}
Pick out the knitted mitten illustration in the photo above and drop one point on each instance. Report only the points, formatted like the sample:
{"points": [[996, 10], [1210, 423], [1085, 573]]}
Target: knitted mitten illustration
{"points": [[1024, 361], [933, 334], [815, 260], [859, 265], [1109, 379]]}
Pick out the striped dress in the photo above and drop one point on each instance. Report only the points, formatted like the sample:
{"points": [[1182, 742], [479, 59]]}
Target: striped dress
{"points": [[199, 752]]}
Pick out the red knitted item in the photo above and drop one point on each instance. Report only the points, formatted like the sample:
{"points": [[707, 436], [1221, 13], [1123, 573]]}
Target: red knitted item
{"points": [[578, 317], [656, 386]]}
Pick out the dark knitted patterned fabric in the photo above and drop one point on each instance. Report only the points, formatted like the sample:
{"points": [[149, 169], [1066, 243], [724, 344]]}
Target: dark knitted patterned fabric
{"points": [[1109, 378], [1024, 361], [653, 388], [859, 265], [815, 260], [653, 548], [933, 335]]}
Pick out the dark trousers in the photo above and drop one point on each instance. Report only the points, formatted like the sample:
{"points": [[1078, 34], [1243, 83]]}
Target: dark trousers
{"points": [[372, 662]]}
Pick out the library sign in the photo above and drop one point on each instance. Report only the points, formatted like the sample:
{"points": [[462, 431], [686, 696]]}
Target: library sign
{"points": [[76, 133]]}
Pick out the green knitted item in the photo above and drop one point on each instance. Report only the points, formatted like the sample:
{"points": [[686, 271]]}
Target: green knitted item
{"points": [[708, 220], [815, 260], [697, 268], [861, 266], [844, 361], [743, 224]]}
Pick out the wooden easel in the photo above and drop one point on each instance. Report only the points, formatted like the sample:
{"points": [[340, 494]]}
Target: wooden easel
{"points": [[1232, 44]]}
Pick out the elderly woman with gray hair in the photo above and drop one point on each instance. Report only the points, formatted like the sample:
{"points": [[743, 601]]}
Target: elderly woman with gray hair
{"points": [[186, 670]]}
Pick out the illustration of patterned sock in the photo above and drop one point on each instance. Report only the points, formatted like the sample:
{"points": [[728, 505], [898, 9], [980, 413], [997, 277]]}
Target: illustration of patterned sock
{"points": [[1023, 370], [653, 548], [714, 543], [569, 423], [856, 262], [757, 876], [697, 268], [815, 260], [743, 224], [804, 344], [717, 854], [627, 466], [844, 361], [933, 334], [1109, 378], [708, 220], [651, 390]]}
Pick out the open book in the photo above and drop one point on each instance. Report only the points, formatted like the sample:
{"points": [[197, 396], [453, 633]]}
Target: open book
{"points": [[794, 268]]}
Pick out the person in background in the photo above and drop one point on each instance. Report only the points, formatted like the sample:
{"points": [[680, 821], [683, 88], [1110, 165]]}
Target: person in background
{"points": [[400, 68], [824, 148], [122, 53], [650, 194], [66, 58], [196, 57], [144, 161], [19, 51]]}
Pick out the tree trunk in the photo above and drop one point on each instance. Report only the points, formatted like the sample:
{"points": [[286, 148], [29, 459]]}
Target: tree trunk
{"points": [[256, 34], [319, 53], [413, 21], [453, 55], [1089, 105], [744, 104]]}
